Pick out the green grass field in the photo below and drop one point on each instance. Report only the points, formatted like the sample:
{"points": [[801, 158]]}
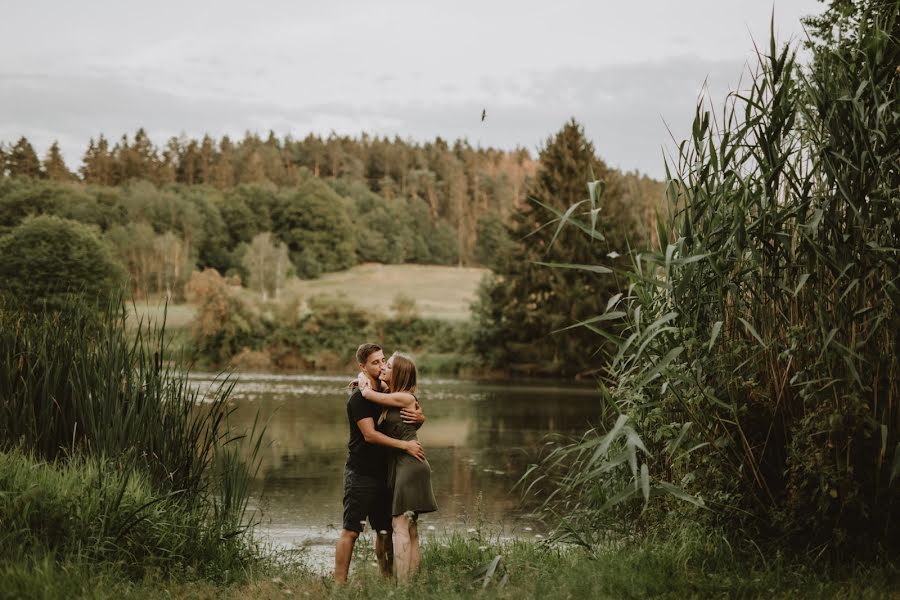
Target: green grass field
{"points": [[440, 292]]}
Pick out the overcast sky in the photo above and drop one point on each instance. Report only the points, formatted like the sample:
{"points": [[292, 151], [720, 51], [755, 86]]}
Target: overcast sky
{"points": [[418, 69]]}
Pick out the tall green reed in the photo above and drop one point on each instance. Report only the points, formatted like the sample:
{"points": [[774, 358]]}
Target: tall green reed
{"points": [[758, 351], [75, 384]]}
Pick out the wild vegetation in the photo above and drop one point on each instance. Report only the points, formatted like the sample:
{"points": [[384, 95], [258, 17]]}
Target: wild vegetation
{"points": [[521, 308], [747, 358], [756, 374], [108, 456]]}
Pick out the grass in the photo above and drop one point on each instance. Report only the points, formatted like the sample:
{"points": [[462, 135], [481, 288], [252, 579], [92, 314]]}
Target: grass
{"points": [[99, 511], [439, 292], [689, 564], [107, 463]]}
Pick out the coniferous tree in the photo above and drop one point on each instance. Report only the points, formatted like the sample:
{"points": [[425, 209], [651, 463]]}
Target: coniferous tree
{"points": [[520, 309], [98, 164], [55, 167], [223, 170], [22, 160]]}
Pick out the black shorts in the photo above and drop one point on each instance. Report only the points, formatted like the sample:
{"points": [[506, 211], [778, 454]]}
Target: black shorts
{"points": [[366, 497]]}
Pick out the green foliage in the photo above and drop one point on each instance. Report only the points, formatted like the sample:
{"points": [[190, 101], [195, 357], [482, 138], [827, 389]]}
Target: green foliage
{"points": [[315, 336], [762, 336], [103, 512], [48, 260], [525, 304], [22, 160], [396, 230], [108, 453], [494, 242], [318, 233]]}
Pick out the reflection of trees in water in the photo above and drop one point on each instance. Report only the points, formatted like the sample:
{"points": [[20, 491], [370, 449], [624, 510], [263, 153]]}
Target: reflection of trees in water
{"points": [[478, 440], [519, 423]]}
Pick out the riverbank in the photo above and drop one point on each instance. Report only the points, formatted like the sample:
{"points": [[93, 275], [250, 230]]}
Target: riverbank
{"points": [[686, 565]]}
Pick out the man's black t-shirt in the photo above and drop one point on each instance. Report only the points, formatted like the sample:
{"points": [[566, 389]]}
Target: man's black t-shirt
{"points": [[364, 458]]}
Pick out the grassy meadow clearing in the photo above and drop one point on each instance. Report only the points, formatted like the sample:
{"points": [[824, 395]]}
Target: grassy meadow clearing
{"points": [[315, 324], [439, 292]]}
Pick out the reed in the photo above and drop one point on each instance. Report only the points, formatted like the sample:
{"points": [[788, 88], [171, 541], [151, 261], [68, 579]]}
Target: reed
{"points": [[90, 394], [758, 355]]}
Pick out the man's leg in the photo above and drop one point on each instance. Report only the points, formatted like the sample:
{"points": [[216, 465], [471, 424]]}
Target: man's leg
{"points": [[357, 495], [343, 553], [384, 550]]}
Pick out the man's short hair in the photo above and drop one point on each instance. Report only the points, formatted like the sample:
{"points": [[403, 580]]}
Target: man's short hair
{"points": [[365, 351]]}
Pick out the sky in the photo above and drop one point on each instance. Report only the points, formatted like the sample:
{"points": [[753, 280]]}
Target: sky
{"points": [[629, 71]]}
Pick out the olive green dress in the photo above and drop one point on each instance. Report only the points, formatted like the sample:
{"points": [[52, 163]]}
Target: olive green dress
{"points": [[410, 477]]}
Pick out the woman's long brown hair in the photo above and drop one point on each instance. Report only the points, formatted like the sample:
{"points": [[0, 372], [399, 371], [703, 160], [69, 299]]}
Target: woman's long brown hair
{"points": [[403, 374], [403, 378]]}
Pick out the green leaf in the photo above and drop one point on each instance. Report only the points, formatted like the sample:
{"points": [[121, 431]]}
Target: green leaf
{"points": [[676, 443], [591, 268], [612, 301], [632, 461], [801, 283], [634, 438], [612, 316], [679, 493], [717, 326], [622, 496], [662, 364], [594, 234], [612, 434], [752, 331], [595, 190]]}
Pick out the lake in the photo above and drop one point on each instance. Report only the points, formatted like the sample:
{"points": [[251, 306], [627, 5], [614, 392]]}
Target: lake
{"points": [[479, 438]]}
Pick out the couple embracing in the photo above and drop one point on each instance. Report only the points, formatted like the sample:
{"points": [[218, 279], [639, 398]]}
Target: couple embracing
{"points": [[386, 479]]}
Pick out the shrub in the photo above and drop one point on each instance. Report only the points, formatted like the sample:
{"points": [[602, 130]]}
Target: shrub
{"points": [[46, 261]]}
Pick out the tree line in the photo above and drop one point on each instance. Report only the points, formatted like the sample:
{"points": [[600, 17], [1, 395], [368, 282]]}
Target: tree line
{"points": [[457, 183], [268, 209]]}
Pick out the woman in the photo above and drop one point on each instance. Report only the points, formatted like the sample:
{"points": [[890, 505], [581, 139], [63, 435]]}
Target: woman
{"points": [[411, 478]]}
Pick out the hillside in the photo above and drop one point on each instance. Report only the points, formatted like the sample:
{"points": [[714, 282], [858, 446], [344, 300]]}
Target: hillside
{"points": [[442, 292]]}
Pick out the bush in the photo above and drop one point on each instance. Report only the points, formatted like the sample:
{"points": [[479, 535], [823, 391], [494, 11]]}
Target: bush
{"points": [[224, 324], [47, 260]]}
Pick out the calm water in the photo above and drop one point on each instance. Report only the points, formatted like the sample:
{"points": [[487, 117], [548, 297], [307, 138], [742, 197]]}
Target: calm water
{"points": [[479, 438]]}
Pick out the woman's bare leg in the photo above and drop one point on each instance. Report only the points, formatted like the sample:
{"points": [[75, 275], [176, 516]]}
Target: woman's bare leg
{"points": [[402, 548], [415, 556]]}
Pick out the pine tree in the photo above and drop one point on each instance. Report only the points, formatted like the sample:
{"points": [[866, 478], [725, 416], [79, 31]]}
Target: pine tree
{"points": [[223, 169], [22, 160], [97, 164], [55, 167], [520, 309]]}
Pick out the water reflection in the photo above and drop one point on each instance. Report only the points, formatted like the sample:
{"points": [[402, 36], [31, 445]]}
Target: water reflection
{"points": [[479, 438]]}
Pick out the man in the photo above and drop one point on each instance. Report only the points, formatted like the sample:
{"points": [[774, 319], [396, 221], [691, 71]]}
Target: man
{"points": [[366, 491]]}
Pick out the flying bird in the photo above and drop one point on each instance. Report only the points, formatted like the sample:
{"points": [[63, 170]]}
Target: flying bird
{"points": [[483, 113]]}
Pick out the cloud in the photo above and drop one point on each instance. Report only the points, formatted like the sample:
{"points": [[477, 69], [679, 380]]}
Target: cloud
{"points": [[623, 108]]}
